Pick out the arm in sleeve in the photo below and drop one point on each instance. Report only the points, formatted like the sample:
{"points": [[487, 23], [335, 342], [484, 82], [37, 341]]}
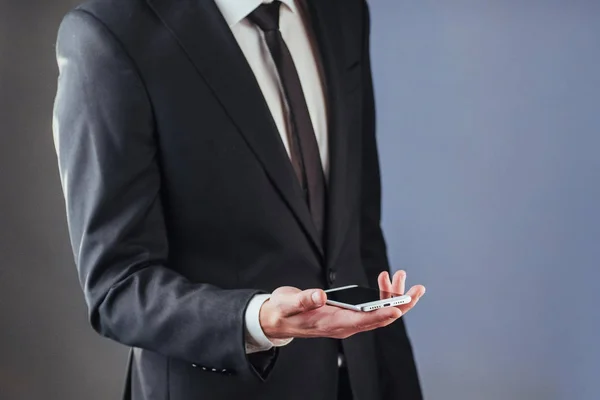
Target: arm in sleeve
{"points": [[262, 351], [397, 367], [104, 136]]}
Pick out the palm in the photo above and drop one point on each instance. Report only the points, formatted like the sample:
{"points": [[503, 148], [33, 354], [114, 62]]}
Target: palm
{"points": [[336, 322]]}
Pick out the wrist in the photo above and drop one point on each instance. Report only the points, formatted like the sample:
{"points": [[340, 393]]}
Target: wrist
{"points": [[271, 324]]}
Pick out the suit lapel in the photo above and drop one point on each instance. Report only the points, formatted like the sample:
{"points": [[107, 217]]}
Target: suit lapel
{"points": [[329, 38], [208, 42]]}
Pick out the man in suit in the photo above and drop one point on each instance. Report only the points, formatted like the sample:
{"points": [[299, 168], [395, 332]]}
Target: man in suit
{"points": [[217, 156]]}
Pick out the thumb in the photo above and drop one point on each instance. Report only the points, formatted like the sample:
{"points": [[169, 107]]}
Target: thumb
{"points": [[304, 301]]}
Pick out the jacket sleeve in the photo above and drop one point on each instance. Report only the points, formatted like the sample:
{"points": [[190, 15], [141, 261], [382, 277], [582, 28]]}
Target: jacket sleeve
{"points": [[104, 136], [398, 372]]}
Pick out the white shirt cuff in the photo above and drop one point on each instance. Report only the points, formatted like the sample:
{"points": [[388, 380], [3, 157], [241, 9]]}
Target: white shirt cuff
{"points": [[256, 340]]}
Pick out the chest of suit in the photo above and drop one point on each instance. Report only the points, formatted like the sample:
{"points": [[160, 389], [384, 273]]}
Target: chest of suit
{"points": [[224, 166]]}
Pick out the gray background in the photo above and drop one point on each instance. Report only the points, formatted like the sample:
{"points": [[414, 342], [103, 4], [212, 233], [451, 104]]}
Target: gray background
{"points": [[489, 127]]}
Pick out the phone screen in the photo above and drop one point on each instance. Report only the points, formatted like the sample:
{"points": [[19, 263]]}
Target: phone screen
{"points": [[359, 295]]}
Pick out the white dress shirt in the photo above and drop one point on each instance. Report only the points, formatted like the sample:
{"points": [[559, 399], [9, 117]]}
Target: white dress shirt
{"points": [[299, 39]]}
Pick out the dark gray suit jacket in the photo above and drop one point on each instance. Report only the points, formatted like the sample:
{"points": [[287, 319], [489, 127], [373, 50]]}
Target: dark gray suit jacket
{"points": [[182, 202]]}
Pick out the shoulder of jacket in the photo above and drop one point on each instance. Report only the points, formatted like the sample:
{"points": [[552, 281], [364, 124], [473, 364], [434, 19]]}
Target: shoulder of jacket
{"points": [[118, 15]]}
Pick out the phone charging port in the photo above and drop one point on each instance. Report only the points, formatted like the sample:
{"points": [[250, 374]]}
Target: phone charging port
{"points": [[386, 305]]}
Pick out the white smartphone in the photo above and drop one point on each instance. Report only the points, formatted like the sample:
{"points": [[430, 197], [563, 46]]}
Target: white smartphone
{"points": [[360, 298]]}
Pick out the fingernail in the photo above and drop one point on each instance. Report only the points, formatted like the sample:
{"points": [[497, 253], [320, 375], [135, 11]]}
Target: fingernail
{"points": [[316, 297]]}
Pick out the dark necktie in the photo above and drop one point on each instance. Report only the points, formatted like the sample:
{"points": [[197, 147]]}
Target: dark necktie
{"points": [[303, 143]]}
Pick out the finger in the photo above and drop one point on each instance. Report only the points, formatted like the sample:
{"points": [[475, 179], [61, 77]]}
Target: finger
{"points": [[333, 322], [415, 293], [361, 321], [385, 285], [379, 323], [399, 282], [391, 317], [300, 302], [382, 324]]}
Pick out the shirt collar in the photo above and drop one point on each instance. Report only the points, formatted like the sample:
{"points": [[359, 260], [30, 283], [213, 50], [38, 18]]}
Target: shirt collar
{"points": [[235, 11]]}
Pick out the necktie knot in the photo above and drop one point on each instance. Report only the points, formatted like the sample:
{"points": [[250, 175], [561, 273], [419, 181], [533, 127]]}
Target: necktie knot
{"points": [[266, 16]]}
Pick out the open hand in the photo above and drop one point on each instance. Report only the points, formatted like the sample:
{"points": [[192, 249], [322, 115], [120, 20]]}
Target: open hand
{"points": [[293, 313]]}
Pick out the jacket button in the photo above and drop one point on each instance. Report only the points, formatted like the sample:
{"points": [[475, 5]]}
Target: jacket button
{"points": [[332, 276]]}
